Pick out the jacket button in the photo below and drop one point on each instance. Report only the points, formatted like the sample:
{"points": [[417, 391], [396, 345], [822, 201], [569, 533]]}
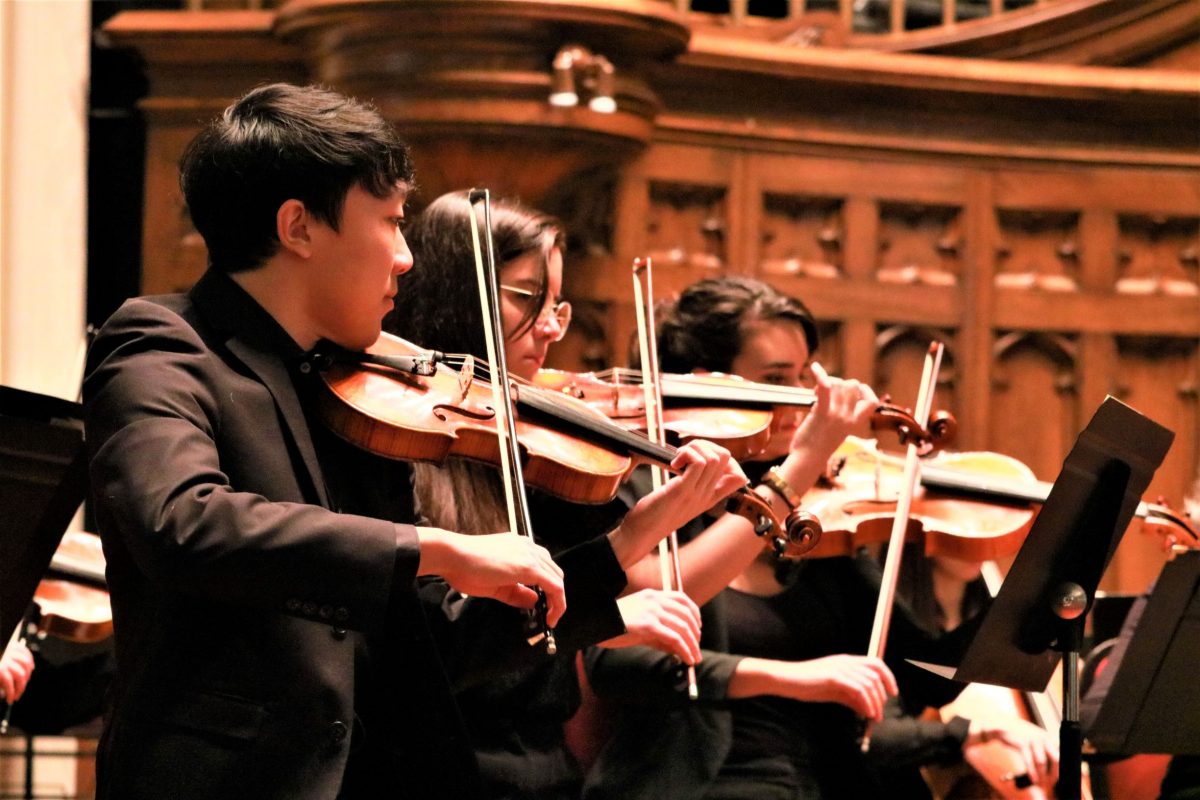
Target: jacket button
{"points": [[292, 604], [341, 614], [339, 633], [337, 732], [310, 609], [325, 612]]}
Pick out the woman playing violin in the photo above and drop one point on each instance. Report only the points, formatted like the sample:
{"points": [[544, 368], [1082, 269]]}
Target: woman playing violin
{"points": [[516, 720], [779, 688]]}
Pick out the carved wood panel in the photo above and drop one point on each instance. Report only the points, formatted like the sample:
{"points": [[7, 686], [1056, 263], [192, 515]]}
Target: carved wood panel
{"points": [[900, 359], [169, 239], [685, 233], [801, 235], [919, 243], [1034, 399], [1038, 249], [1160, 377], [1159, 254], [831, 347]]}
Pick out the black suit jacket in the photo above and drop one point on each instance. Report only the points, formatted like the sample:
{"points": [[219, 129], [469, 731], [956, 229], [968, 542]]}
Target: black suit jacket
{"points": [[254, 623]]}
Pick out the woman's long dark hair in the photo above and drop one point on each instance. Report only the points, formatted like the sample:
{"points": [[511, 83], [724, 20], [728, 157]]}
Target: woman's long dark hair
{"points": [[437, 305], [705, 327], [438, 308]]}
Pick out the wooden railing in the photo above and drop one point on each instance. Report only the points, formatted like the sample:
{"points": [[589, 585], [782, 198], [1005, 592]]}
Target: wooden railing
{"points": [[860, 16]]}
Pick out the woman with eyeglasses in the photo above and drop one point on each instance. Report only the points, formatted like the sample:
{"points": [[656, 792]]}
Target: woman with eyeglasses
{"points": [[516, 721]]}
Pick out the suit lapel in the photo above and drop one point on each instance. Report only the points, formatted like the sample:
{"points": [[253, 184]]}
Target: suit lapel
{"points": [[254, 337], [274, 375]]}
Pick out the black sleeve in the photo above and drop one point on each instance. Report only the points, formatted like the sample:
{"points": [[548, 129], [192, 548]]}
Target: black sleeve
{"points": [[901, 740], [480, 638], [648, 677], [644, 676]]}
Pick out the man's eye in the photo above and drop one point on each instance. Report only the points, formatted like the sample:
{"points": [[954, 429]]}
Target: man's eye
{"points": [[775, 379]]}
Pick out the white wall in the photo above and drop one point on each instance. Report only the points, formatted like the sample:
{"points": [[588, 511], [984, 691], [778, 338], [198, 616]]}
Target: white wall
{"points": [[43, 175]]}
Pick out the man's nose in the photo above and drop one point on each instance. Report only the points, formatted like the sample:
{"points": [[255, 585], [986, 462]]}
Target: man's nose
{"points": [[402, 259]]}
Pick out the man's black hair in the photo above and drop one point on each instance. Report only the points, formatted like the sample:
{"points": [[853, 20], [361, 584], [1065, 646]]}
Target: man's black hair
{"points": [[281, 142]]}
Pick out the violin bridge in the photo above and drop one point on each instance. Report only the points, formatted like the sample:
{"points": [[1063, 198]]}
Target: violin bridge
{"points": [[466, 376]]}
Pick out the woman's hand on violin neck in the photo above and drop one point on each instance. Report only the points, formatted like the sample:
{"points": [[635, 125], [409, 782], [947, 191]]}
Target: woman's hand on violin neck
{"points": [[861, 683], [16, 666], [502, 566], [707, 475], [843, 407], [666, 621], [1034, 746]]}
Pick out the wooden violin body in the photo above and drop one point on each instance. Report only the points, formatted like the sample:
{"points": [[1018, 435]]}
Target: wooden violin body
{"points": [[73, 607], [991, 769], [857, 506]]}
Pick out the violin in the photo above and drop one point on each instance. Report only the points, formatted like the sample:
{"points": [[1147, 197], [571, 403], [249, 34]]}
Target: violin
{"points": [[975, 506], [72, 604], [400, 401], [857, 501], [743, 429], [726, 409], [70, 607]]}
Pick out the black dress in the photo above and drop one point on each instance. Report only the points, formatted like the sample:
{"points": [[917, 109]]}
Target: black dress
{"points": [[790, 749], [668, 747], [516, 717]]}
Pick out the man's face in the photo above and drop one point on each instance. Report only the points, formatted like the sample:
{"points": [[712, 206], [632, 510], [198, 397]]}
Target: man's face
{"points": [[352, 279]]}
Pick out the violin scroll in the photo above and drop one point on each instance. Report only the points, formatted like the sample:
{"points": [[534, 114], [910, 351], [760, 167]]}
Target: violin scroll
{"points": [[799, 533], [928, 439], [1176, 529]]}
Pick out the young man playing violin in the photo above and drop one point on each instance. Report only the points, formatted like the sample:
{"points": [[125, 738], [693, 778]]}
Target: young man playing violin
{"points": [[269, 638]]}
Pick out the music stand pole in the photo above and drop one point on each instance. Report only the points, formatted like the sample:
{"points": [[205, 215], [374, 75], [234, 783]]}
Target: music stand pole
{"points": [[1069, 604]]}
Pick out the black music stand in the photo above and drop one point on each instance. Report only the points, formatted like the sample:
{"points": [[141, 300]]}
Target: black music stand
{"points": [[43, 479], [1153, 702], [1038, 614]]}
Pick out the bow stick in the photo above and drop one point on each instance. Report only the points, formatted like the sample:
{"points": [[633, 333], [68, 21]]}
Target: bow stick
{"points": [[908, 486], [668, 546], [493, 332]]}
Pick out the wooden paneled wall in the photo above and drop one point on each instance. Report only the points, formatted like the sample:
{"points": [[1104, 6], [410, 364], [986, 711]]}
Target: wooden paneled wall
{"points": [[1051, 289]]}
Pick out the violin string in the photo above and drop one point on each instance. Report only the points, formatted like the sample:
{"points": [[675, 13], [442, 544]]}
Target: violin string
{"points": [[698, 386], [552, 403]]}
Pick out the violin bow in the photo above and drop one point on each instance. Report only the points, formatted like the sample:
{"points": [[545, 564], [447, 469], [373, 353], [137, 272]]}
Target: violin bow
{"points": [[668, 546], [493, 330], [908, 486]]}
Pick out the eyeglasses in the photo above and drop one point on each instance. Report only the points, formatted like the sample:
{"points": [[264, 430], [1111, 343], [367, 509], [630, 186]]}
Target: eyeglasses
{"points": [[560, 312]]}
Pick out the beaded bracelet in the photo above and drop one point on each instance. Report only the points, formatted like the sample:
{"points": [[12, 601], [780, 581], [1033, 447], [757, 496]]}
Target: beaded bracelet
{"points": [[775, 481]]}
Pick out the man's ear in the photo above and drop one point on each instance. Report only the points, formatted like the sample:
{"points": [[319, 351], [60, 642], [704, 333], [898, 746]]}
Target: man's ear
{"points": [[292, 222]]}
